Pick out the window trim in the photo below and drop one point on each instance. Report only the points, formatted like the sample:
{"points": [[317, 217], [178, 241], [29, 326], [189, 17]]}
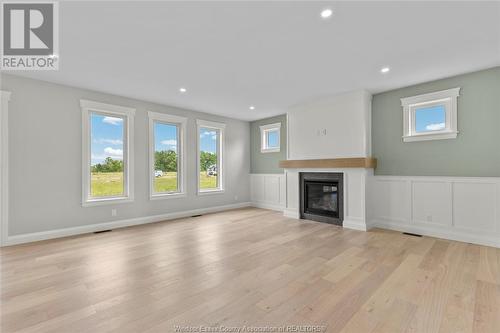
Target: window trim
{"points": [[220, 156], [181, 122], [128, 114], [448, 98], [264, 129]]}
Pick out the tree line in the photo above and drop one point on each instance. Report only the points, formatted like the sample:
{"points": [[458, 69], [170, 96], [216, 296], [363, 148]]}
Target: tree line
{"points": [[165, 161]]}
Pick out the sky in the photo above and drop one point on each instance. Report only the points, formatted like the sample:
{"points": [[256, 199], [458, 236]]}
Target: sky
{"points": [[430, 118], [208, 140], [272, 139], [107, 138], [165, 137]]}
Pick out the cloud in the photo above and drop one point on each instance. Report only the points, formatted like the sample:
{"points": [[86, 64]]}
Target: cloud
{"points": [[435, 127], [111, 152], [207, 133], [169, 142], [109, 141], [112, 120]]}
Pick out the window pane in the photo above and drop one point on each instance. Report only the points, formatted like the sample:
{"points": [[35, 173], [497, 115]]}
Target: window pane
{"points": [[432, 118], [166, 178], [107, 136], [208, 158], [273, 139]]}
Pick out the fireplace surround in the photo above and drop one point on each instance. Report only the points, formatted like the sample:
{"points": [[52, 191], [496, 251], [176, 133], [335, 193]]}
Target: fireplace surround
{"points": [[322, 196]]}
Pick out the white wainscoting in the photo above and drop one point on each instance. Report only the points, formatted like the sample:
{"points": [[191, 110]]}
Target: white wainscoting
{"points": [[457, 208], [268, 191]]}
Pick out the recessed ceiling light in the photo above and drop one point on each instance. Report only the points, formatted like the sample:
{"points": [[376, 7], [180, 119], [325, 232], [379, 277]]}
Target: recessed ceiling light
{"points": [[182, 90], [326, 13], [252, 107], [385, 70]]}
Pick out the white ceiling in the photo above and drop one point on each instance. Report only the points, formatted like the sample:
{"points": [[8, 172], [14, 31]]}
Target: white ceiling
{"points": [[230, 55]]}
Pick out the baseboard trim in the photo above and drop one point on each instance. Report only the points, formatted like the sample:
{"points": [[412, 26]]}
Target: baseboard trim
{"points": [[456, 235], [59, 233], [291, 213], [268, 206], [355, 224]]}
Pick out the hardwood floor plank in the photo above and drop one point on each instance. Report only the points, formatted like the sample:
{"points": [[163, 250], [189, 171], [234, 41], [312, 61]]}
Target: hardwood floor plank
{"points": [[249, 267]]}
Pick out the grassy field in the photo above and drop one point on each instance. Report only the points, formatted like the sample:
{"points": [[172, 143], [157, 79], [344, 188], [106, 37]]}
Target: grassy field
{"points": [[107, 184]]}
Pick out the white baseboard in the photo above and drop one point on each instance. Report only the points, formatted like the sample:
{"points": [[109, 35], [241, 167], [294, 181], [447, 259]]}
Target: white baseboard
{"points": [[461, 236], [355, 224], [44, 235], [291, 213], [268, 206]]}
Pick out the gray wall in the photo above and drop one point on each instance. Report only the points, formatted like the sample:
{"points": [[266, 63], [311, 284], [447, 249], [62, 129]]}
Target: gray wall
{"points": [[267, 162], [475, 151], [45, 133]]}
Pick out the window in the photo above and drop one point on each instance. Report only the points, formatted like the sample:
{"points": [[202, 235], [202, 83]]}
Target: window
{"points": [[431, 116], [167, 155], [270, 138], [107, 153], [210, 168]]}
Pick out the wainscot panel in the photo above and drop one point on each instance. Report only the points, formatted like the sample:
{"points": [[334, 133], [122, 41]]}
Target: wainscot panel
{"points": [[457, 208]]}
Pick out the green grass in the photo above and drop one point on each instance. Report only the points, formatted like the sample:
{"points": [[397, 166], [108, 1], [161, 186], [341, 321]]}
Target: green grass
{"points": [[166, 183], [105, 184], [207, 182]]}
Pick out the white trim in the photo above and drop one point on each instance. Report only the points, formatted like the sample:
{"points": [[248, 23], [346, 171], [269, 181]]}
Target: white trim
{"points": [[291, 213], [128, 151], [443, 94], [221, 146], [263, 205], [431, 136], [4, 166], [456, 235], [448, 98], [264, 129], [181, 123], [355, 224], [106, 108], [58, 233]]}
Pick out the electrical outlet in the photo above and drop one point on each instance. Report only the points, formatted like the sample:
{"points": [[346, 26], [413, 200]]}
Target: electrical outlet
{"points": [[429, 218], [113, 212], [235, 198]]}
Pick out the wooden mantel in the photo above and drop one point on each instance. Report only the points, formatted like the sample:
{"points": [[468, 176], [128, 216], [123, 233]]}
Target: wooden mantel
{"points": [[356, 162]]}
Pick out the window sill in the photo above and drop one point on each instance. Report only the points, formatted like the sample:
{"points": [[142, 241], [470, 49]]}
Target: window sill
{"points": [[106, 201], [162, 196], [273, 150], [210, 192], [432, 136]]}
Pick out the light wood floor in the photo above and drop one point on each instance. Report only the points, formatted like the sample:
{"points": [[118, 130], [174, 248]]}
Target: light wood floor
{"points": [[249, 267]]}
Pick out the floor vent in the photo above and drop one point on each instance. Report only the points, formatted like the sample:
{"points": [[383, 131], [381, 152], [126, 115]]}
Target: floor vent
{"points": [[197, 215], [410, 234], [100, 232]]}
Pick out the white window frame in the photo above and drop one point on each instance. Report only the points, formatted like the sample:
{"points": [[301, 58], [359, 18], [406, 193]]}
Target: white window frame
{"points": [[128, 114], [448, 98], [264, 144], [220, 155], [180, 122]]}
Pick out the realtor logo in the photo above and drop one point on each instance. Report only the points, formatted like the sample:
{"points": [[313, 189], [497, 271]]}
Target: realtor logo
{"points": [[29, 36]]}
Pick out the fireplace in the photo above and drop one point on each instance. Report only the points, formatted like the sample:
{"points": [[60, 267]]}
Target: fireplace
{"points": [[321, 197]]}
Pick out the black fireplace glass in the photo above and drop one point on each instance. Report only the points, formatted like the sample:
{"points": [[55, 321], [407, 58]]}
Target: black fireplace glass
{"points": [[321, 198]]}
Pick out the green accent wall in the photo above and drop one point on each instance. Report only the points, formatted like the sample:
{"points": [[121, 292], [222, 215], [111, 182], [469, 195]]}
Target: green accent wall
{"points": [[266, 162], [475, 151]]}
